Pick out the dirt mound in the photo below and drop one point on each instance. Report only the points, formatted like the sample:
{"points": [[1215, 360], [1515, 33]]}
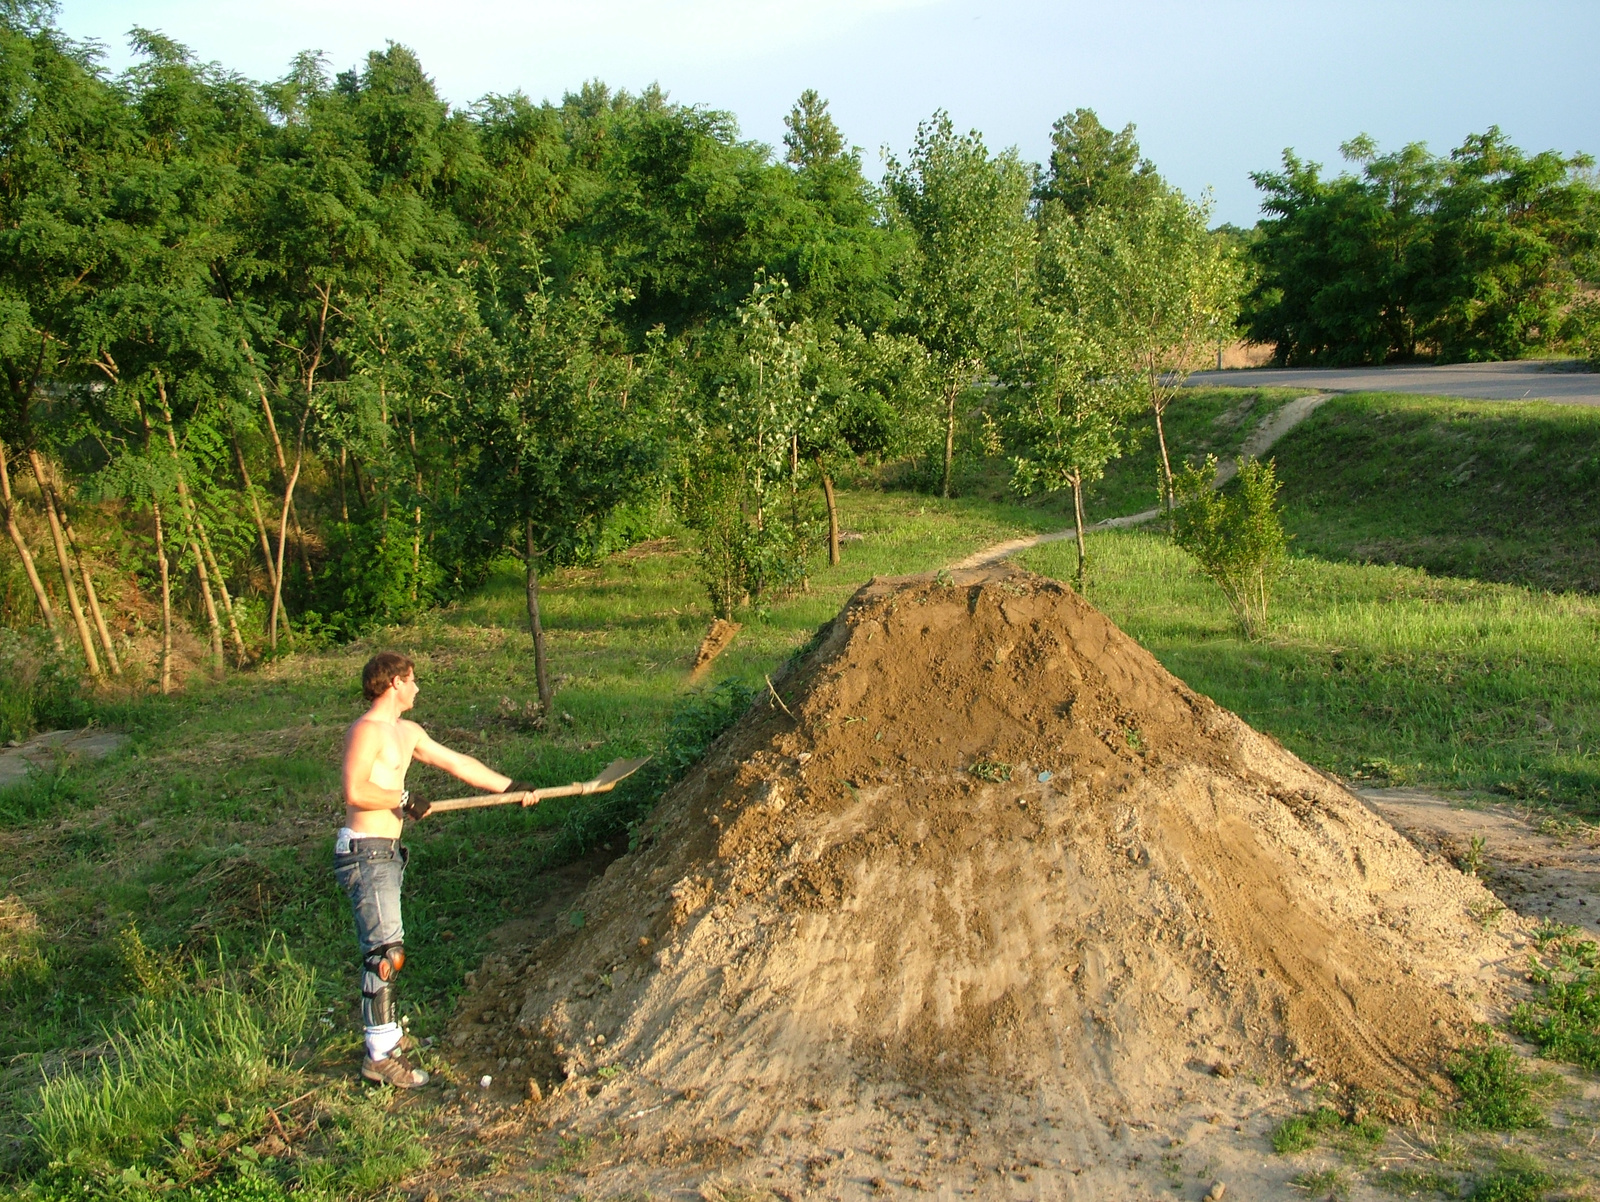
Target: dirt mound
{"points": [[988, 873]]}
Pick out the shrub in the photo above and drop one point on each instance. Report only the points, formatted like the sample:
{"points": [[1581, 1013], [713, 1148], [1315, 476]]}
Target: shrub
{"points": [[1235, 534], [42, 690]]}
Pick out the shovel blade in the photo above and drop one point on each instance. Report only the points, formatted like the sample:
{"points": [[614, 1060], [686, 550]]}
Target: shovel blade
{"points": [[618, 770]]}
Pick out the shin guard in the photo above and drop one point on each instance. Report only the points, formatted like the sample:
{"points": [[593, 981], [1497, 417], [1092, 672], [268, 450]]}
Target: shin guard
{"points": [[378, 971]]}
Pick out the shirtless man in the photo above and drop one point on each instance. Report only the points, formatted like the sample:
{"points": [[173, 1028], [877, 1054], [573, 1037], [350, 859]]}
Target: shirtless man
{"points": [[368, 859]]}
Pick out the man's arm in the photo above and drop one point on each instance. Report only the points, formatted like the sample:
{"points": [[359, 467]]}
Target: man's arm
{"points": [[360, 753], [464, 767]]}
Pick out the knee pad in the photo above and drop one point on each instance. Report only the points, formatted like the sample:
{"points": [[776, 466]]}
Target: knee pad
{"points": [[378, 968]]}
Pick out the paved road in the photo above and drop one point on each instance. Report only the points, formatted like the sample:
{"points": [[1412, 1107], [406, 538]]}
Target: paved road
{"points": [[1528, 380]]}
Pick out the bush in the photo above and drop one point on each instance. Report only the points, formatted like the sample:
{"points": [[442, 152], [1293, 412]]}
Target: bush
{"points": [[694, 726], [1235, 534], [374, 576], [42, 690], [1495, 1093]]}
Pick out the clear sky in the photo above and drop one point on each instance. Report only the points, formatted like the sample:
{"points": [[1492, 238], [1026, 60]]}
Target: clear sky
{"points": [[1217, 88]]}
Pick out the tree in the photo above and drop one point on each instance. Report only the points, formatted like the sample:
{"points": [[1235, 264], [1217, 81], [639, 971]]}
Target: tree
{"points": [[563, 435], [965, 215], [1235, 535], [1152, 287], [1066, 412], [1474, 256], [1092, 168]]}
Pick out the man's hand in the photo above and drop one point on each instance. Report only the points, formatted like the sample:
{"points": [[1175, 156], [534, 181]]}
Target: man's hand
{"points": [[415, 805], [519, 786]]}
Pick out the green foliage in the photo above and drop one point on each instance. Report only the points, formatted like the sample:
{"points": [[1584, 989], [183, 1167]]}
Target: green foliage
{"points": [[376, 574], [695, 724], [43, 689], [1092, 168], [1470, 257], [1494, 1092], [1513, 1185], [1563, 1020], [1235, 535], [1299, 1132]]}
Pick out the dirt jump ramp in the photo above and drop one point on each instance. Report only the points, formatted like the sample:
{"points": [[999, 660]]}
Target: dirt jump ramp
{"points": [[992, 877]]}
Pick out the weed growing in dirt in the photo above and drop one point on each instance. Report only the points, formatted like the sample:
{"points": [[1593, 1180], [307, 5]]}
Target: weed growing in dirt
{"points": [[1495, 1093], [1324, 1183], [1414, 1183], [1513, 1185], [1564, 1019], [1301, 1132]]}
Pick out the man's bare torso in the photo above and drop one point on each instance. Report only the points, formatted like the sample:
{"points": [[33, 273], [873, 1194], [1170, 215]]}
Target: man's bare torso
{"points": [[397, 744]]}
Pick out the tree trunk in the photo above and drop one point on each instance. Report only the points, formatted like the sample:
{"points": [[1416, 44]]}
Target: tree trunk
{"points": [[88, 581], [84, 637], [39, 594], [283, 537], [203, 557], [833, 513], [166, 602], [288, 489], [261, 532], [1077, 509], [951, 393], [191, 531], [1166, 464], [541, 667]]}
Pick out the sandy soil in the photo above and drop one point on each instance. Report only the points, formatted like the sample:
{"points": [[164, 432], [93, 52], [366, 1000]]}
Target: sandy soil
{"points": [[996, 906]]}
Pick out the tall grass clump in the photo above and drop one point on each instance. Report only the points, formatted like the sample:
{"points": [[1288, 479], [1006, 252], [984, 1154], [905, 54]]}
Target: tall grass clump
{"points": [[206, 1050]]}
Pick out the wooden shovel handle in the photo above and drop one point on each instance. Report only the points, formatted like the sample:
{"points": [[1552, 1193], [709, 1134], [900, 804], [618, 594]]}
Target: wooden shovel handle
{"points": [[530, 797]]}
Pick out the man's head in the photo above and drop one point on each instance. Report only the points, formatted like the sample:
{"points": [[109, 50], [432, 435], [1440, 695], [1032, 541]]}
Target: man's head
{"points": [[390, 670]]}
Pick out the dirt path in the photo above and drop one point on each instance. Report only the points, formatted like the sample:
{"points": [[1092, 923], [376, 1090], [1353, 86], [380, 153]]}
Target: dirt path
{"points": [[1277, 423], [1541, 866]]}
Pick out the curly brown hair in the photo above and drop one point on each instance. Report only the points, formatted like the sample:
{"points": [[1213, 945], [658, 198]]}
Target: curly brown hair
{"points": [[382, 670]]}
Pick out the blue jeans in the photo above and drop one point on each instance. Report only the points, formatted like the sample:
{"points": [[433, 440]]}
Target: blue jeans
{"points": [[370, 874]]}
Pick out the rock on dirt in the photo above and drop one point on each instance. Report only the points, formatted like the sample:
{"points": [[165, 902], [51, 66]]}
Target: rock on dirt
{"points": [[993, 894]]}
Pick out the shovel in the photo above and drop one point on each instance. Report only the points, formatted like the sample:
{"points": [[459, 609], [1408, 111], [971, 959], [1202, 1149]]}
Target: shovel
{"points": [[616, 770]]}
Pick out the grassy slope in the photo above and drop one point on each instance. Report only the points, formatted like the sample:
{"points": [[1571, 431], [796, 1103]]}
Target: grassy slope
{"points": [[1200, 422], [1494, 490], [1375, 671]]}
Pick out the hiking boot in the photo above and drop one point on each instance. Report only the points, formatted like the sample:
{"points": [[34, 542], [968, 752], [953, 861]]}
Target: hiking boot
{"points": [[394, 1070]]}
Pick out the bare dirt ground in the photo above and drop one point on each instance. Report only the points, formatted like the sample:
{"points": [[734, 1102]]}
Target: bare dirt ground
{"points": [[995, 908]]}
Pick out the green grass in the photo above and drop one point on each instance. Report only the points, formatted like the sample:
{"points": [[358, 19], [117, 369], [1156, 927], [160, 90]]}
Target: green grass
{"points": [[1200, 422], [1563, 1018], [1493, 490], [1385, 673], [1302, 1132], [1494, 1091]]}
